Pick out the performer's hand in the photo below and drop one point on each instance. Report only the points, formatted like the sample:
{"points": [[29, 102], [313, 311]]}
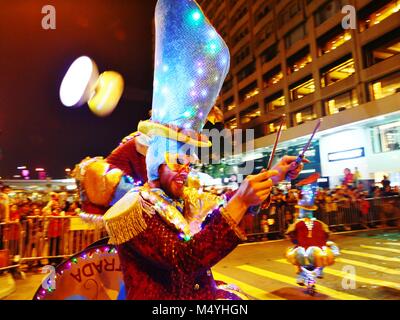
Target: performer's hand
{"points": [[253, 191], [288, 168]]}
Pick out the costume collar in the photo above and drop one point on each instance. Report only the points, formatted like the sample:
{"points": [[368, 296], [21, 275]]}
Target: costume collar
{"points": [[185, 215]]}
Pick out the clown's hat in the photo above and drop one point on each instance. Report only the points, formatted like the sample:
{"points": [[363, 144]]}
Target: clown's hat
{"points": [[191, 63]]}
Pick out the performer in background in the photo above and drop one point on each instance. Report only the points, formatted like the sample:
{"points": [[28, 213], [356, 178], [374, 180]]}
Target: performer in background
{"points": [[312, 251], [169, 236]]}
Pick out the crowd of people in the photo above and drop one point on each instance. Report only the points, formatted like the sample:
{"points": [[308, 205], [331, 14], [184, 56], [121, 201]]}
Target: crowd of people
{"points": [[343, 208], [34, 226]]}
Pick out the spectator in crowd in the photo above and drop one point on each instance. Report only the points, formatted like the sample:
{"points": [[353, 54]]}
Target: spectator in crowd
{"points": [[14, 230], [385, 182], [348, 177], [54, 230], [357, 176], [4, 213]]}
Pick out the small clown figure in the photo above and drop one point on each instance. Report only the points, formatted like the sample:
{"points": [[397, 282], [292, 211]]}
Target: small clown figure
{"points": [[312, 250]]}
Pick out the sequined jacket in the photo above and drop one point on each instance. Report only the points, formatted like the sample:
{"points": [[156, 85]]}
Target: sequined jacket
{"points": [[167, 256], [305, 236]]}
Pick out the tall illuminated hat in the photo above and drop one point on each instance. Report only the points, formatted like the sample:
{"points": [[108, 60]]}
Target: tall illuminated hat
{"points": [[306, 204], [191, 63]]}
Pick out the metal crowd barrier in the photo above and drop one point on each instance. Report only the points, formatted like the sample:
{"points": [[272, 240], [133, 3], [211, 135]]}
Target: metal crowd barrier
{"points": [[46, 239], [341, 215], [51, 238]]}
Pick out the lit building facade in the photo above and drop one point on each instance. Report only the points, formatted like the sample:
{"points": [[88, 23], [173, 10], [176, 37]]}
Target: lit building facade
{"points": [[294, 57]]}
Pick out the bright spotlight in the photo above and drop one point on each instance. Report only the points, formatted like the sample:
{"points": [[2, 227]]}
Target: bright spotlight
{"points": [[79, 82]]}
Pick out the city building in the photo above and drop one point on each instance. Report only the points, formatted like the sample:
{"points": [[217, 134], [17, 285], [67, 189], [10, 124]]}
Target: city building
{"points": [[294, 57]]}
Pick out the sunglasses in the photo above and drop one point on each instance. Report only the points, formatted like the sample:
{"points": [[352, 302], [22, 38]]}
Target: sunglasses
{"points": [[178, 162]]}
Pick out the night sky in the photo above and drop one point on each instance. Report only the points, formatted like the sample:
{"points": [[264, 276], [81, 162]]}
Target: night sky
{"points": [[36, 130]]}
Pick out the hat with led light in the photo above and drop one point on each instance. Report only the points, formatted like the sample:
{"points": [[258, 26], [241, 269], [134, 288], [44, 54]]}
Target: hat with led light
{"points": [[191, 63], [306, 203]]}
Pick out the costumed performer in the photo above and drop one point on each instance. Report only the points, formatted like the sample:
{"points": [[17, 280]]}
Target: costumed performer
{"points": [[169, 236], [312, 249]]}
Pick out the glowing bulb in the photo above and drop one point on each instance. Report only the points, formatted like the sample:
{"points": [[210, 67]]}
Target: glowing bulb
{"points": [[79, 82], [196, 15]]}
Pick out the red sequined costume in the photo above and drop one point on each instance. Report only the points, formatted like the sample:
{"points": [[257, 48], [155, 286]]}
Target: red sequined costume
{"points": [[300, 234], [167, 255]]}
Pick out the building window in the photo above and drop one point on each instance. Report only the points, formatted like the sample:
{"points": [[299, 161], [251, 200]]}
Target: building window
{"points": [[220, 18], [341, 102], [276, 101], [249, 91], [302, 88], [250, 114], [337, 71], [290, 11], [223, 33], [386, 137], [303, 115], [299, 60], [385, 86], [298, 33], [328, 10], [264, 34], [246, 71], [262, 11], [260, 130], [269, 53], [332, 40], [240, 35], [239, 14], [231, 123], [274, 126], [229, 104], [383, 48], [376, 12], [272, 77], [228, 84], [242, 54]]}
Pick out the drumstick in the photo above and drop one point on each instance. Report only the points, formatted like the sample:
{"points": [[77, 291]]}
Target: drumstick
{"points": [[271, 158]]}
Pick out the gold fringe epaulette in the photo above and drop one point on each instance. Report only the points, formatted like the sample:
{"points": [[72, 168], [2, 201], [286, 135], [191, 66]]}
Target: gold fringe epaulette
{"points": [[125, 219]]}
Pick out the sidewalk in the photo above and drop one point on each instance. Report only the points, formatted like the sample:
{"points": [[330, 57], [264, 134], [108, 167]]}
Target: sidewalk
{"points": [[26, 288]]}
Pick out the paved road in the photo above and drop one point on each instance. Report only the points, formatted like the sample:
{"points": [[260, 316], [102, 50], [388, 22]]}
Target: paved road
{"points": [[261, 271]]}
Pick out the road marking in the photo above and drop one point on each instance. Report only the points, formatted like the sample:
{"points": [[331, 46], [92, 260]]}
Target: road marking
{"points": [[380, 248], [247, 288], [368, 266], [393, 243], [358, 278], [288, 280], [370, 255], [260, 242]]}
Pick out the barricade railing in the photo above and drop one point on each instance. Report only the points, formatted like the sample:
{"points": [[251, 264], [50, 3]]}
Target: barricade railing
{"points": [[339, 215], [50, 238], [10, 242], [53, 238]]}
